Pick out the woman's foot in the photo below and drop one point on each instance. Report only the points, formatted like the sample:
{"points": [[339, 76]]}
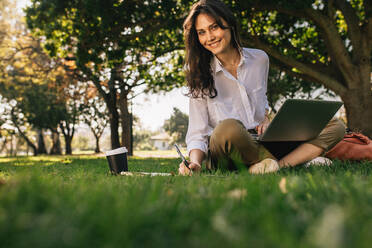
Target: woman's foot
{"points": [[319, 161], [267, 165]]}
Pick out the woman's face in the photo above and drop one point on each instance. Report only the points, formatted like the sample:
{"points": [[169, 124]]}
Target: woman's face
{"points": [[211, 35]]}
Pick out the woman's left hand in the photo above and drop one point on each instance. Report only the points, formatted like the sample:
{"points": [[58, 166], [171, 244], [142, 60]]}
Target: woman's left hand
{"points": [[263, 126]]}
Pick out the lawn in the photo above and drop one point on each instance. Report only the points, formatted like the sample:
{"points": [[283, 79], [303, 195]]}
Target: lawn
{"points": [[59, 201]]}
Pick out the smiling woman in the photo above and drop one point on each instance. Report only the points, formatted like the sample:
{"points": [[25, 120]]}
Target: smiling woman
{"points": [[214, 38], [227, 87], [210, 28]]}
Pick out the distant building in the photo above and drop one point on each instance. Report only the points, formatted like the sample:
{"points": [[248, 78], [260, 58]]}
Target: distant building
{"points": [[161, 141]]}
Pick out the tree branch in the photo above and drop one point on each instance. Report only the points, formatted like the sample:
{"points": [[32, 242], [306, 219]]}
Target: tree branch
{"points": [[290, 47], [23, 135], [307, 69], [288, 70], [134, 96], [334, 43], [352, 21], [330, 34]]}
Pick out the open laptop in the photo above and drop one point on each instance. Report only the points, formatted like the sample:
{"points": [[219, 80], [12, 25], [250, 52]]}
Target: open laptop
{"points": [[297, 121]]}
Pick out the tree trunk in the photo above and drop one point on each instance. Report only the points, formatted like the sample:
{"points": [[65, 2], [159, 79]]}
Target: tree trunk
{"points": [[358, 112], [11, 145], [40, 142], [23, 135], [114, 126], [3, 145], [97, 150], [126, 137], [68, 134], [56, 147], [28, 141], [17, 147], [68, 148], [110, 100]]}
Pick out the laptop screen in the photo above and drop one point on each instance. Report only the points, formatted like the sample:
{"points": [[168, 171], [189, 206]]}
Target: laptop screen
{"points": [[300, 120]]}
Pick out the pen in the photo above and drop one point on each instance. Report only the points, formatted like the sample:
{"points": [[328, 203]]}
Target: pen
{"points": [[182, 157]]}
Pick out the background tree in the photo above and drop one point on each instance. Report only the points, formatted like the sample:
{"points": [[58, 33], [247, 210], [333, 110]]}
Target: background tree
{"points": [[177, 126], [7, 130], [70, 115], [142, 136], [40, 88], [7, 13], [325, 42], [105, 39], [23, 65], [94, 114]]}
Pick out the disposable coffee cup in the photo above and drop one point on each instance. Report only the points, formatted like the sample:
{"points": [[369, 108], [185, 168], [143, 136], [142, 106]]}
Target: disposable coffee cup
{"points": [[117, 160]]}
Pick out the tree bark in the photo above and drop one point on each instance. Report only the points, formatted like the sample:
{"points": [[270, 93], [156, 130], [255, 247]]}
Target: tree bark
{"points": [[56, 147], [110, 100], [28, 141], [125, 117], [358, 112], [40, 142], [97, 135], [3, 145], [97, 150], [114, 125], [11, 150], [68, 134], [68, 147]]}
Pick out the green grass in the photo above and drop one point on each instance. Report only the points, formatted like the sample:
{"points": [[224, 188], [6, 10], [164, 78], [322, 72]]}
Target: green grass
{"points": [[58, 201]]}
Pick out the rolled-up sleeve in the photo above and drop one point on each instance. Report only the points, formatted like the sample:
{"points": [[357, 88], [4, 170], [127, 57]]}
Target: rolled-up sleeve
{"points": [[265, 101], [198, 130]]}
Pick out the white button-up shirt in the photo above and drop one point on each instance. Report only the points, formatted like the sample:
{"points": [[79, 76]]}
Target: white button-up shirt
{"points": [[242, 98]]}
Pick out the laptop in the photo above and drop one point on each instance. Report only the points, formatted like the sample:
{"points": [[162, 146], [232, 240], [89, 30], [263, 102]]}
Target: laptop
{"points": [[297, 120]]}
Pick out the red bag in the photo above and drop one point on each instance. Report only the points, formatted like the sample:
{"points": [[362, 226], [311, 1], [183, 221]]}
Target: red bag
{"points": [[354, 146]]}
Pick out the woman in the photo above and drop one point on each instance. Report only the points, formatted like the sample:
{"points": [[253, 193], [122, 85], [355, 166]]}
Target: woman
{"points": [[227, 88]]}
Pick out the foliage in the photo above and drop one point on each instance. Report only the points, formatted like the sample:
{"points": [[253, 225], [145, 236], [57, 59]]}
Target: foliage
{"points": [[40, 90], [142, 140], [114, 44], [324, 42], [177, 126], [282, 86], [82, 143], [94, 114], [53, 201], [142, 137]]}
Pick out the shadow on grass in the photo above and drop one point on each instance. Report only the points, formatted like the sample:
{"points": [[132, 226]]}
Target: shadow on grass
{"points": [[98, 164], [72, 164]]}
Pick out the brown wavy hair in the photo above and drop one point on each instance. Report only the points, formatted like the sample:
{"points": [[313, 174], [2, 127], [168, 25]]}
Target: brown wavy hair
{"points": [[198, 59]]}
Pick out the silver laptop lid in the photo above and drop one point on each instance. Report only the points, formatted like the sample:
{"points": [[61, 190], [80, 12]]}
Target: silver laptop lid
{"points": [[300, 120]]}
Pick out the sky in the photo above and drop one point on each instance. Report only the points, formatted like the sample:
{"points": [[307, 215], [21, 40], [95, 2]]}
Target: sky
{"points": [[152, 109], [22, 3]]}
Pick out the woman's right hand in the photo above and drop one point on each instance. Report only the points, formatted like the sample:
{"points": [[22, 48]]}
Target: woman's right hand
{"points": [[183, 170]]}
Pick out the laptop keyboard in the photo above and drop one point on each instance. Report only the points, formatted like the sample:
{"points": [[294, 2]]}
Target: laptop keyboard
{"points": [[255, 136]]}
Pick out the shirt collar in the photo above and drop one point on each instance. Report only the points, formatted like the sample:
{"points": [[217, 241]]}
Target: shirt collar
{"points": [[217, 65]]}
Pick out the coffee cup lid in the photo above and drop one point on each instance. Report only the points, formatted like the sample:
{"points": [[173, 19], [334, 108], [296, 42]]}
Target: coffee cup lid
{"points": [[116, 151]]}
